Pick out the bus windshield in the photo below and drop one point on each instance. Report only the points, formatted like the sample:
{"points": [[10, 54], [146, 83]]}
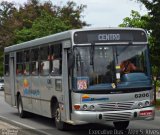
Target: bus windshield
{"points": [[109, 67]]}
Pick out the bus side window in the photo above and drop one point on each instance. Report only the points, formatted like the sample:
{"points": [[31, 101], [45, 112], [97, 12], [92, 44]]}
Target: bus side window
{"points": [[6, 69], [56, 59], [34, 61], [26, 64], [19, 65], [44, 61]]}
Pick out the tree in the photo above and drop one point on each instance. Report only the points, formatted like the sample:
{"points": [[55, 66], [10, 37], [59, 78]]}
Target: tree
{"points": [[71, 15], [6, 30], [136, 20], [42, 26], [29, 16], [40, 20], [154, 27], [6, 12], [151, 23], [34, 19]]}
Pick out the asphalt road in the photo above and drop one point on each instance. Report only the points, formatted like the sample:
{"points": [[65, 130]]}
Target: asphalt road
{"points": [[47, 125]]}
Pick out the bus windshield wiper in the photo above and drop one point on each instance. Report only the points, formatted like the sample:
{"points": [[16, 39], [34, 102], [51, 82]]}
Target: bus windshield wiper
{"points": [[78, 59], [92, 55]]}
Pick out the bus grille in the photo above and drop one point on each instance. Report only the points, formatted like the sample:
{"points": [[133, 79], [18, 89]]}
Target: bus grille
{"points": [[122, 116], [116, 106]]}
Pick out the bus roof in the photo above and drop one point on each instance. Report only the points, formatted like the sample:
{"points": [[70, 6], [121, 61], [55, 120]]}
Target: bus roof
{"points": [[40, 41], [61, 36]]}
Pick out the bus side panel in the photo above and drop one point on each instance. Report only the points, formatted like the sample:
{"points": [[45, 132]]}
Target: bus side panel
{"points": [[35, 93], [65, 83], [47, 91], [23, 86], [10, 96], [7, 90]]}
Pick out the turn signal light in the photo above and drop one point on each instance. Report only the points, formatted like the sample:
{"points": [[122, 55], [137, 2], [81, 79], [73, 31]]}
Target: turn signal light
{"points": [[76, 107]]}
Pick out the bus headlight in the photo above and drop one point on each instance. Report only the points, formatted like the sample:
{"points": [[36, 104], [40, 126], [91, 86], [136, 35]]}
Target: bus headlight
{"points": [[147, 103], [140, 105], [92, 107], [85, 107]]}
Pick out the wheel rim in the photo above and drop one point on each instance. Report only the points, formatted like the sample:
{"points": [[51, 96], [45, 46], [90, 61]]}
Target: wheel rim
{"points": [[57, 115]]}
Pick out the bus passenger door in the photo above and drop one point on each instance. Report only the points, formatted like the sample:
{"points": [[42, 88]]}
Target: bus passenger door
{"points": [[12, 79], [65, 81]]}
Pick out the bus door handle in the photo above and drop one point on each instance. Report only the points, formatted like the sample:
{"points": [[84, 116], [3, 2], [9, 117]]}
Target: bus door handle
{"points": [[49, 81]]}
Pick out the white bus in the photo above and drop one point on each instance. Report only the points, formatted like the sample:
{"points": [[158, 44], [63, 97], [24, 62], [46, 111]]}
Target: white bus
{"points": [[81, 76]]}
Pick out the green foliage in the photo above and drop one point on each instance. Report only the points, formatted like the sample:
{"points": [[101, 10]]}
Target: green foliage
{"points": [[72, 16], [158, 85], [154, 28], [34, 20], [23, 35], [42, 26], [136, 20], [157, 103], [46, 24]]}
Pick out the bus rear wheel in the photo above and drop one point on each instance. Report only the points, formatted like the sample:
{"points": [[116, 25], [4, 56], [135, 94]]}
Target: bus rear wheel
{"points": [[58, 122], [21, 112], [121, 124]]}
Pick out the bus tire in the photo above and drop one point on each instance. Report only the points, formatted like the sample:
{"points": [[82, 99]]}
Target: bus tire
{"points": [[59, 124], [121, 124], [22, 113]]}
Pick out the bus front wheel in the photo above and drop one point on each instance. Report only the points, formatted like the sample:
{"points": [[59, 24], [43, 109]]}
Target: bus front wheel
{"points": [[21, 112], [58, 122], [121, 124]]}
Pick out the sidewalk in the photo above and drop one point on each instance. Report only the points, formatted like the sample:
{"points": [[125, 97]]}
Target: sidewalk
{"points": [[4, 125], [9, 129]]}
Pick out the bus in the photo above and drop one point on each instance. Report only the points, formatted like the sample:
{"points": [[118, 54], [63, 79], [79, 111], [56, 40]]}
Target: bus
{"points": [[80, 76]]}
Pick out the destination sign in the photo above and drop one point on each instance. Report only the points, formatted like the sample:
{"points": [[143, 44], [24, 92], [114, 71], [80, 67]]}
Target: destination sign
{"points": [[102, 36]]}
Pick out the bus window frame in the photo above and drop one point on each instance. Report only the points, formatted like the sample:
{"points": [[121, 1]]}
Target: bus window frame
{"points": [[59, 58], [34, 61], [19, 73], [6, 72], [26, 62], [42, 60]]}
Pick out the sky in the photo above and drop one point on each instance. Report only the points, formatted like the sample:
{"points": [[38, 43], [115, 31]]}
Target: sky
{"points": [[102, 13]]}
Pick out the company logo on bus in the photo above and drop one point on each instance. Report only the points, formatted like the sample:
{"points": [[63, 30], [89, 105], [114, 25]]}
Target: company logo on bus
{"points": [[27, 91], [25, 83], [87, 98]]}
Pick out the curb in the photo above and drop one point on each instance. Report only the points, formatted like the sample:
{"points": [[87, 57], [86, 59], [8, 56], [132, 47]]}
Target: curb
{"points": [[23, 126]]}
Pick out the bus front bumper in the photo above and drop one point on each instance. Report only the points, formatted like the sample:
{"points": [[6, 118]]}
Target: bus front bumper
{"points": [[83, 117]]}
